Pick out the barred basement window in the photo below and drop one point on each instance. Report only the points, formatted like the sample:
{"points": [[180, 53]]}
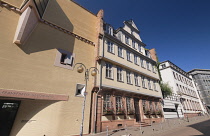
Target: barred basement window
{"points": [[107, 105]]}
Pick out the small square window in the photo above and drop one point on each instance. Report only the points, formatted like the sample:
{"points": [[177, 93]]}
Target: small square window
{"points": [[64, 59], [80, 90]]}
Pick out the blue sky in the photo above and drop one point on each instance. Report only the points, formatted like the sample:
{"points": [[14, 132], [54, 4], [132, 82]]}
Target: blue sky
{"points": [[178, 29]]}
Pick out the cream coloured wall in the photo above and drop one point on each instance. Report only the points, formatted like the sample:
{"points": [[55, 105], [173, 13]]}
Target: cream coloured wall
{"points": [[123, 85], [114, 57], [30, 67]]}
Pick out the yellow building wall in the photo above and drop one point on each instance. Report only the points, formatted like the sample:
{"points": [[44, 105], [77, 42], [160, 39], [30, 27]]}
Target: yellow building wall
{"points": [[30, 67]]}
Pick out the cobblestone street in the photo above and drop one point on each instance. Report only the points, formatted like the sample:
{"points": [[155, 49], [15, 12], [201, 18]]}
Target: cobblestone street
{"points": [[197, 126]]}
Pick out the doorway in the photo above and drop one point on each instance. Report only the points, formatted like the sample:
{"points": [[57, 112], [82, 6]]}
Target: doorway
{"points": [[8, 111], [137, 111]]}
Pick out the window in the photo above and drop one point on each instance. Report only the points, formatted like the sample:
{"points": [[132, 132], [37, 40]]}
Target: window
{"points": [[139, 48], [108, 70], [64, 59], [149, 84], [128, 55], [110, 30], [133, 44], [147, 53], [107, 105], [174, 75], [136, 79], [119, 105], [120, 52], [127, 40], [148, 65], [80, 89], [154, 85], [110, 47], [135, 59], [153, 69], [119, 74], [142, 62], [130, 109], [128, 75], [143, 82], [163, 65]]}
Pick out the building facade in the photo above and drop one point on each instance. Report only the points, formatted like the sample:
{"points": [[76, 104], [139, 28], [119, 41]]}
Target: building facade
{"points": [[184, 100], [39, 89], [127, 92], [202, 82]]}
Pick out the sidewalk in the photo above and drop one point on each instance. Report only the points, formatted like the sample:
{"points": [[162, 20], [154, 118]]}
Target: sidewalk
{"points": [[154, 129]]}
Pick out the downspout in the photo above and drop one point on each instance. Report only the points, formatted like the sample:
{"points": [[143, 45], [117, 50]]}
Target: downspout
{"points": [[99, 89]]}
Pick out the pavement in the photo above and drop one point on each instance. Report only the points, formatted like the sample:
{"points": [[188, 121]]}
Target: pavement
{"points": [[196, 126]]}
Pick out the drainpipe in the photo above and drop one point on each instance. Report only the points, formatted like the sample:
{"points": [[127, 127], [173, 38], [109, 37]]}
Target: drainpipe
{"points": [[99, 89]]}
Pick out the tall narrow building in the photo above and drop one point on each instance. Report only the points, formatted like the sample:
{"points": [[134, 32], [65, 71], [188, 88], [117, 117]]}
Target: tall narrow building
{"points": [[202, 82], [127, 92], [184, 100]]}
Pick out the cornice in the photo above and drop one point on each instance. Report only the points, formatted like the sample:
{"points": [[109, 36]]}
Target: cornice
{"points": [[127, 67], [11, 7]]}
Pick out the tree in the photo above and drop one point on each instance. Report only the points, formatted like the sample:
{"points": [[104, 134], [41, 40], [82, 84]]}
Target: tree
{"points": [[166, 89]]}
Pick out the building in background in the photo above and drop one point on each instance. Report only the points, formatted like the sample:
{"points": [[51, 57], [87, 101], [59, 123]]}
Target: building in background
{"points": [[184, 100], [40, 42], [202, 82], [127, 92]]}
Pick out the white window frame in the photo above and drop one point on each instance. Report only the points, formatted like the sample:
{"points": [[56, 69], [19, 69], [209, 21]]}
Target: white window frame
{"points": [[128, 55], [136, 79], [110, 47], [119, 74], [129, 77], [135, 59], [127, 40], [133, 44], [120, 52], [109, 70]]}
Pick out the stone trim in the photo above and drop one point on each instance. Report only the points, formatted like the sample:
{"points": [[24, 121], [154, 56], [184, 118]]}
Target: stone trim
{"points": [[33, 95]]}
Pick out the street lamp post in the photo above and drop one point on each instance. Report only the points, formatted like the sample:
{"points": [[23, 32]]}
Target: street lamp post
{"points": [[93, 71]]}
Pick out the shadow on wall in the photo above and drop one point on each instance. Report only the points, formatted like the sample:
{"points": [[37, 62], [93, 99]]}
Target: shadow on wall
{"points": [[45, 37], [202, 127], [27, 110]]}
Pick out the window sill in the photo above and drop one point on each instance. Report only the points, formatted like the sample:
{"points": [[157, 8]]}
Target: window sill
{"points": [[121, 57], [130, 83], [109, 78], [144, 87], [136, 64], [111, 52], [129, 61], [137, 85], [120, 81]]}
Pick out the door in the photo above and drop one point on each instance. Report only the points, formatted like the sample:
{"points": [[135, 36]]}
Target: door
{"points": [[8, 111], [137, 111]]}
